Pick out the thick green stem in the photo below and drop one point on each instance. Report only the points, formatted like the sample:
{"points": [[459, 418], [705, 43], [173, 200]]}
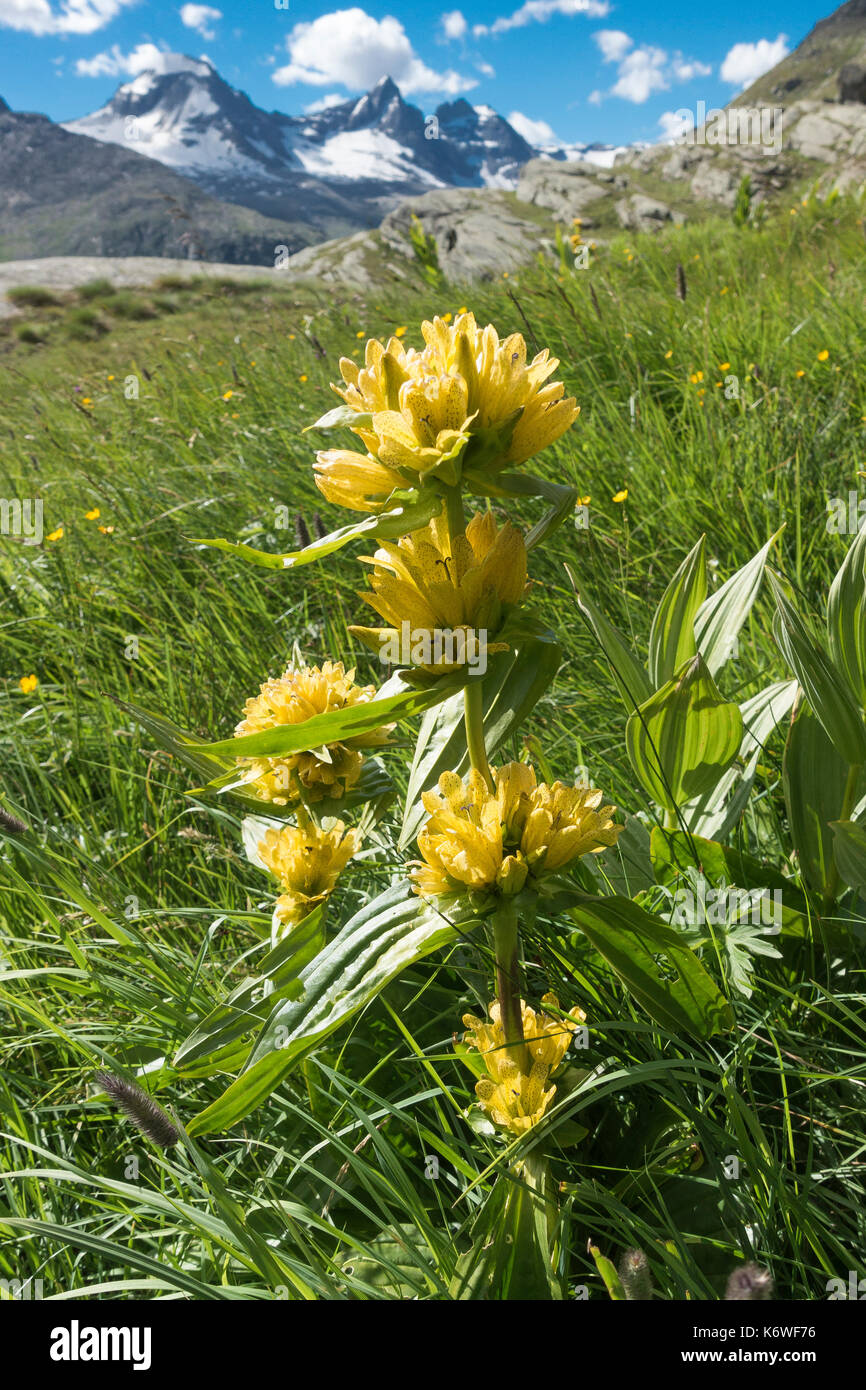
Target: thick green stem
{"points": [[849, 796], [473, 709], [454, 512], [505, 946]]}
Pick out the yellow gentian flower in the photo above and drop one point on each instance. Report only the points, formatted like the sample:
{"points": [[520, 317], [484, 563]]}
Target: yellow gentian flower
{"points": [[429, 583], [515, 1099], [482, 841], [307, 860], [293, 698]]}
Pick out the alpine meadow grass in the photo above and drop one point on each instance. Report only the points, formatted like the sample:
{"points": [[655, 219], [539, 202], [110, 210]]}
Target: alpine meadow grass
{"points": [[329, 977]]}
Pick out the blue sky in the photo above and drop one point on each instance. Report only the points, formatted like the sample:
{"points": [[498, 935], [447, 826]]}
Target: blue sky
{"points": [[588, 70]]}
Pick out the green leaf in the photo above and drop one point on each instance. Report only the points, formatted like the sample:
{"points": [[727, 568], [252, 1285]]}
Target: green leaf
{"points": [[672, 635], [826, 688], [509, 1259], [338, 725], [814, 777], [846, 617], [394, 931], [630, 678], [249, 1004], [683, 739], [561, 495], [629, 939], [721, 616], [675, 855], [410, 515], [513, 685], [849, 849]]}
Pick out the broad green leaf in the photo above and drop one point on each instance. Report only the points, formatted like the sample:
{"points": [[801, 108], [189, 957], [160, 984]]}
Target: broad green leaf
{"points": [[410, 515], [814, 778], [510, 1256], [249, 1004], [672, 635], [713, 815], [388, 934], [513, 685], [561, 495], [395, 701], [684, 738], [630, 678], [826, 688], [675, 854], [846, 617], [849, 848], [629, 939], [721, 616]]}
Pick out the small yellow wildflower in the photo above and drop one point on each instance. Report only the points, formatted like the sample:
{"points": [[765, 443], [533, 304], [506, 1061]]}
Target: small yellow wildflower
{"points": [[401, 331], [28, 684], [106, 530], [304, 377], [669, 354], [360, 333], [227, 395], [307, 860], [55, 535], [513, 1098], [291, 337], [799, 372], [620, 496], [93, 515], [584, 501], [823, 354], [724, 366], [293, 698], [463, 309], [723, 290]]}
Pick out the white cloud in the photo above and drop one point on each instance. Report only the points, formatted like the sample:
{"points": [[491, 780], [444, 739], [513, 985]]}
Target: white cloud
{"points": [[200, 18], [539, 11], [534, 132], [73, 17], [351, 49], [595, 98], [614, 44], [675, 124], [146, 57], [454, 24], [746, 62], [644, 70], [324, 103], [640, 74], [486, 70], [686, 69]]}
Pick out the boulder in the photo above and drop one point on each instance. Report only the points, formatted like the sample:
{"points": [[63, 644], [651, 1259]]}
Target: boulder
{"points": [[565, 189], [479, 232], [641, 214], [852, 83]]}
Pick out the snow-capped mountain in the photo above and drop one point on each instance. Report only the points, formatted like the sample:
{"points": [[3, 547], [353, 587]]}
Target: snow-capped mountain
{"points": [[343, 166]]}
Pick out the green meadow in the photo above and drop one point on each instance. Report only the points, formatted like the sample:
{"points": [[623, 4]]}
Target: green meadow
{"points": [[719, 373]]}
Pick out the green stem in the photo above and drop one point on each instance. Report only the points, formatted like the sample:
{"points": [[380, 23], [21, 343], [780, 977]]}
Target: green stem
{"points": [[473, 711], [454, 512], [505, 946], [831, 887]]}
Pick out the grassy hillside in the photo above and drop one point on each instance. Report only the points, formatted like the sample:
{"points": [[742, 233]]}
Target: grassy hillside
{"points": [[730, 413]]}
